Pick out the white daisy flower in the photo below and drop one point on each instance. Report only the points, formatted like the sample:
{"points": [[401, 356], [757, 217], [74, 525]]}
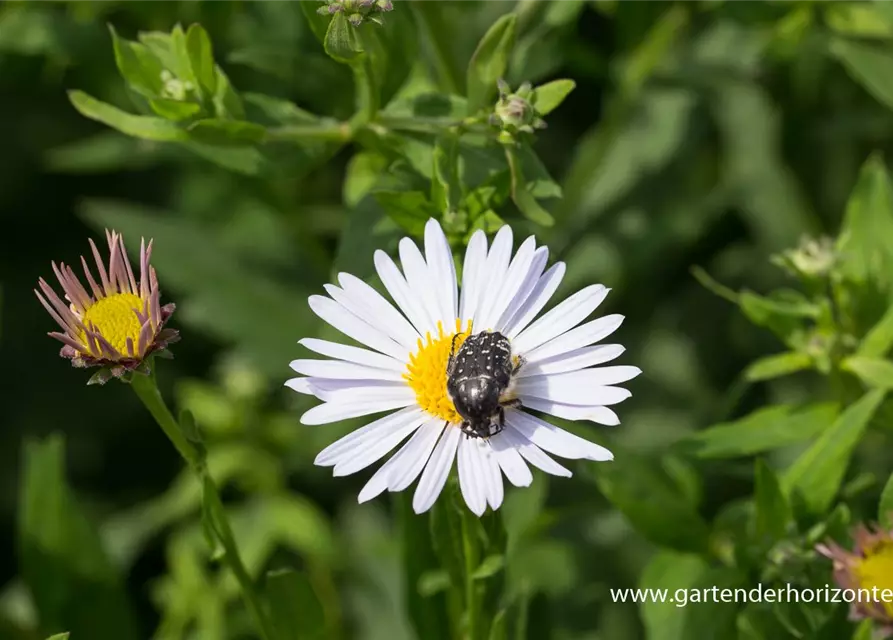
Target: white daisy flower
{"points": [[549, 369]]}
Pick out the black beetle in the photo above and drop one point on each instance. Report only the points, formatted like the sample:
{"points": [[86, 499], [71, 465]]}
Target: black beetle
{"points": [[477, 378]]}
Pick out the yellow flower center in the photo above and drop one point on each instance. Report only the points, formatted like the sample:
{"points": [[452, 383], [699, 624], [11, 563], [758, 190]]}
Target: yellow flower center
{"points": [[114, 318], [876, 570], [427, 372]]}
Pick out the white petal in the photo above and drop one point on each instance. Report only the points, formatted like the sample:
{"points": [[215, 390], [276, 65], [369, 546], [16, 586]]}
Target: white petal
{"points": [[510, 461], [353, 354], [301, 385], [552, 388], [594, 413], [534, 455], [359, 438], [582, 336], [588, 378], [492, 475], [570, 361], [472, 475], [384, 313], [397, 286], [475, 261], [353, 327], [404, 466], [419, 279], [563, 317], [336, 411], [534, 272], [541, 294], [361, 457], [341, 370], [512, 280], [364, 392], [554, 440], [492, 278], [436, 471], [443, 272]]}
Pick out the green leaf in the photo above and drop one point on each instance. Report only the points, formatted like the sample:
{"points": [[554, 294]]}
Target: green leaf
{"points": [[547, 97], [885, 508], [864, 631], [865, 243], [491, 565], [879, 339], [763, 430], [409, 209], [446, 537], [341, 42], [227, 132], [174, 109], [874, 372], [499, 628], [523, 199], [489, 62], [433, 582], [785, 319], [671, 571], [816, 475], [774, 366], [145, 127], [139, 66], [773, 513], [72, 581], [869, 65], [227, 103], [60, 636], [654, 506], [295, 609], [713, 615], [201, 58]]}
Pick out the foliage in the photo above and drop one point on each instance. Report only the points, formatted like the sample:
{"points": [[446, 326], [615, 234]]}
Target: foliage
{"points": [[720, 165]]}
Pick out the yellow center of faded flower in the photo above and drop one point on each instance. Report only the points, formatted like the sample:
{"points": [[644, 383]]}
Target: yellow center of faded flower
{"points": [[427, 371], [114, 318], [876, 570]]}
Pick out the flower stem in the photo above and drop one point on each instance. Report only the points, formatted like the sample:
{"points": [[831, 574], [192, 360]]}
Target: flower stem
{"points": [[469, 551], [146, 389]]}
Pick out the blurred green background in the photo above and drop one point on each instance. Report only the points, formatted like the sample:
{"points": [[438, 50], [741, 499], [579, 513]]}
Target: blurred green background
{"points": [[710, 134]]}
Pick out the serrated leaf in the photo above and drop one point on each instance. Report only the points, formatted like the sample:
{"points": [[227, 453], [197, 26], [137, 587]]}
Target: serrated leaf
{"points": [[547, 97], [145, 127], [648, 499], [774, 366], [885, 507], [139, 66], [489, 62], [816, 475], [201, 58], [341, 41], [874, 372], [763, 430], [295, 608], [73, 583], [773, 513]]}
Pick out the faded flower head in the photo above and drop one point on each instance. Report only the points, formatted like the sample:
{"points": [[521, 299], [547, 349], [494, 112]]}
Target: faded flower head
{"points": [[357, 11], [514, 113], [869, 566], [119, 322]]}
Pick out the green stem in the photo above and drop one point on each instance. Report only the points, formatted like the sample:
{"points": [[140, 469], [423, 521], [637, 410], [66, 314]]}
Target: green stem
{"points": [[471, 601], [436, 38], [146, 389], [323, 132]]}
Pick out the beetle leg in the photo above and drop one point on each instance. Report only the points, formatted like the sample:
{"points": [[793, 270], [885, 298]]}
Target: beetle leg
{"points": [[520, 363], [452, 360]]}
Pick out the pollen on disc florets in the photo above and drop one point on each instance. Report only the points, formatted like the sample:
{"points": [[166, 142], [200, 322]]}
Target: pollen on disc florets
{"points": [[427, 371]]}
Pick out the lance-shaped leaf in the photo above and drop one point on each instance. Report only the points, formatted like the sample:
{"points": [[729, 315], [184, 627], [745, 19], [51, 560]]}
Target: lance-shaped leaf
{"points": [[489, 62]]}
